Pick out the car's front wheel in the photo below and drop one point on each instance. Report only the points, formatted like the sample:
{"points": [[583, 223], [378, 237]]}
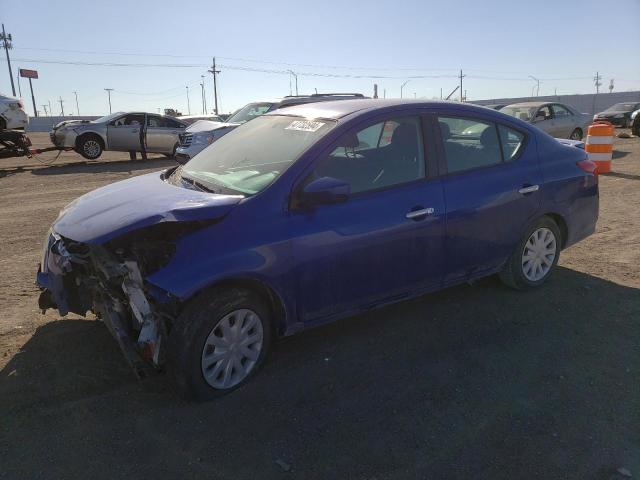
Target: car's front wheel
{"points": [[90, 146], [220, 339], [576, 134], [535, 257]]}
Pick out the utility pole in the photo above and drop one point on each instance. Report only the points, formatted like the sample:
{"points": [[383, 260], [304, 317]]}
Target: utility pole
{"points": [[596, 81], [375, 90], [50, 109], [402, 86], [611, 86], [109, 90], [19, 88], [61, 107], [45, 110], [215, 72], [188, 104], [77, 107], [6, 43], [33, 99], [202, 95], [440, 93], [461, 77]]}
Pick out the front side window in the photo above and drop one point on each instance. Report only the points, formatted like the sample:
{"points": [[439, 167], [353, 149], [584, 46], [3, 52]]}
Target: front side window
{"points": [[469, 143], [544, 113], [250, 157], [379, 156], [154, 121], [560, 111]]}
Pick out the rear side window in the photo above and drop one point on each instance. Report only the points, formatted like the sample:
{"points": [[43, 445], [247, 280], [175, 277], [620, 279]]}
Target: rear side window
{"points": [[512, 142], [469, 143]]}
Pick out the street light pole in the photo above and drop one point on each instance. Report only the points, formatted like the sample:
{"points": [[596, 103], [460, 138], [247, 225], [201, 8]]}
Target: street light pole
{"points": [[537, 80], [109, 90], [295, 76], [188, 104], [77, 106], [402, 87]]}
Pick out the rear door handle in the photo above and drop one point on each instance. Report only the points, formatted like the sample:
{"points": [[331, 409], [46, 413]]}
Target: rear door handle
{"points": [[419, 214], [529, 189]]}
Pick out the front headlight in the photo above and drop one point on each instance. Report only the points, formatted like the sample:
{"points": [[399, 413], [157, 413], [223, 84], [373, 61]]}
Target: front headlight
{"points": [[203, 138]]}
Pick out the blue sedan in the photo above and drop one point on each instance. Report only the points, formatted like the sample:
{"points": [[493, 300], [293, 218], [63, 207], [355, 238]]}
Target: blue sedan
{"points": [[309, 214]]}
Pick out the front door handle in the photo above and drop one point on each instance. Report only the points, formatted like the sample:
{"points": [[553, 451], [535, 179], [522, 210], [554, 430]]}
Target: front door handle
{"points": [[419, 214], [529, 189]]}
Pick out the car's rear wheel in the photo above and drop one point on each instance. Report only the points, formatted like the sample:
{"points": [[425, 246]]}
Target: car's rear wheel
{"points": [[636, 127], [576, 134], [218, 342], [535, 257], [3, 124], [89, 146]]}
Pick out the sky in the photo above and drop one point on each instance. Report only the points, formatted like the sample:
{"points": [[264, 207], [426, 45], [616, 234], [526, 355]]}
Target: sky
{"points": [[150, 51]]}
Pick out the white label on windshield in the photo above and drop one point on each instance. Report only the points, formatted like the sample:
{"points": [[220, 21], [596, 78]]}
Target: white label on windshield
{"points": [[305, 125]]}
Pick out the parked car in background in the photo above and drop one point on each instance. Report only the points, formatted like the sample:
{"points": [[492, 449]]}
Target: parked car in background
{"points": [[635, 122], [189, 119], [618, 114], [197, 138], [557, 119], [308, 214], [120, 132], [12, 114], [495, 106]]}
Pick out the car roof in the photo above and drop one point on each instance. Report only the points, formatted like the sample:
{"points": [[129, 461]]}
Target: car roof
{"points": [[337, 109], [529, 104]]}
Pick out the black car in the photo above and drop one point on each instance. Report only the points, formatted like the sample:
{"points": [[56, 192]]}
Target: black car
{"points": [[618, 114]]}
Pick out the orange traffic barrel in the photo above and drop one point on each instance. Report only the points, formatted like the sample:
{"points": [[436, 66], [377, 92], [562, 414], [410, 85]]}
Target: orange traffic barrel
{"points": [[599, 145]]}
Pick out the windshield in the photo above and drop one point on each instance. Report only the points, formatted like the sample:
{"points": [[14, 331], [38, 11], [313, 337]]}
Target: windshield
{"points": [[523, 113], [621, 107], [108, 118], [252, 156], [249, 112]]}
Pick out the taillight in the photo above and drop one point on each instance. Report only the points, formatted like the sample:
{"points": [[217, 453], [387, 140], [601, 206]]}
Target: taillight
{"points": [[588, 166]]}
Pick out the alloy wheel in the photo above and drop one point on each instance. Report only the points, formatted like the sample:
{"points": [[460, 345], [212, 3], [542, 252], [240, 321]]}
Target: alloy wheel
{"points": [[232, 349], [538, 254], [91, 148]]}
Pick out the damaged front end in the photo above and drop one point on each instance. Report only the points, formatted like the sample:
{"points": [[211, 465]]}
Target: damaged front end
{"points": [[108, 280]]}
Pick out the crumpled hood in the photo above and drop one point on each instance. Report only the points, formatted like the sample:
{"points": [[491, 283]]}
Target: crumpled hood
{"points": [[138, 202], [65, 123]]}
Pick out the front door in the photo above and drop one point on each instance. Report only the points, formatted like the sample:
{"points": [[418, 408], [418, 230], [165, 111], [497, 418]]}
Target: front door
{"points": [[491, 193], [386, 241], [123, 134], [544, 120]]}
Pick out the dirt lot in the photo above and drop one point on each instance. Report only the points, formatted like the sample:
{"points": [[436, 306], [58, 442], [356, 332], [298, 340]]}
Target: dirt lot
{"points": [[472, 382]]}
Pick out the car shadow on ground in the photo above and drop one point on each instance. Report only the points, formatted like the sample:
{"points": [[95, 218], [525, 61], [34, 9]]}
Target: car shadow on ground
{"points": [[618, 154], [89, 166], [472, 382]]}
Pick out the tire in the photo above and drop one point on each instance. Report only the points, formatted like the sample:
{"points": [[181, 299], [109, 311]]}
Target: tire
{"points": [[191, 352], [635, 129], [89, 146], [3, 124], [520, 274], [576, 134]]}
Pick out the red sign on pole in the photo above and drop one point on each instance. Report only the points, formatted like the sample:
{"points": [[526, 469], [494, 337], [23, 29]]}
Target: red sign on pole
{"points": [[28, 73]]}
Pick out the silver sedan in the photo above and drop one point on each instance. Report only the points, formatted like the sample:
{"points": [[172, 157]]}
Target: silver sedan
{"points": [[124, 132], [557, 119]]}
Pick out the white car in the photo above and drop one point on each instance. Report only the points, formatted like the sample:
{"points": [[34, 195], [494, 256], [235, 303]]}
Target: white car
{"points": [[12, 114]]}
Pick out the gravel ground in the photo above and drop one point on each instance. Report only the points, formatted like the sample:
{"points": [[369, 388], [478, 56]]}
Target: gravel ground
{"points": [[472, 382]]}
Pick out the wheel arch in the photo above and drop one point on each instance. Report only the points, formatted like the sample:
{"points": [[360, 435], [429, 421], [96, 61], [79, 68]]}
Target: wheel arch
{"points": [[90, 133], [562, 225], [263, 289]]}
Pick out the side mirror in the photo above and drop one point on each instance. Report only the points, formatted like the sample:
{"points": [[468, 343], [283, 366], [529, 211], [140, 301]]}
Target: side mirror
{"points": [[324, 191]]}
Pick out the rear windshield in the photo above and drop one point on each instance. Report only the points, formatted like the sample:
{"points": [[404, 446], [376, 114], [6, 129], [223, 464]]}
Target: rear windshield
{"points": [[252, 156], [621, 107]]}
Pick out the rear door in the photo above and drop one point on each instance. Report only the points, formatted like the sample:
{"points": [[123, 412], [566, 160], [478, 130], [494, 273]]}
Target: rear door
{"points": [[491, 192], [162, 134], [386, 241], [123, 134]]}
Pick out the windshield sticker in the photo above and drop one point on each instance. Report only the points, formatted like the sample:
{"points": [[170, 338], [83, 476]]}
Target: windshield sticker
{"points": [[304, 126]]}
